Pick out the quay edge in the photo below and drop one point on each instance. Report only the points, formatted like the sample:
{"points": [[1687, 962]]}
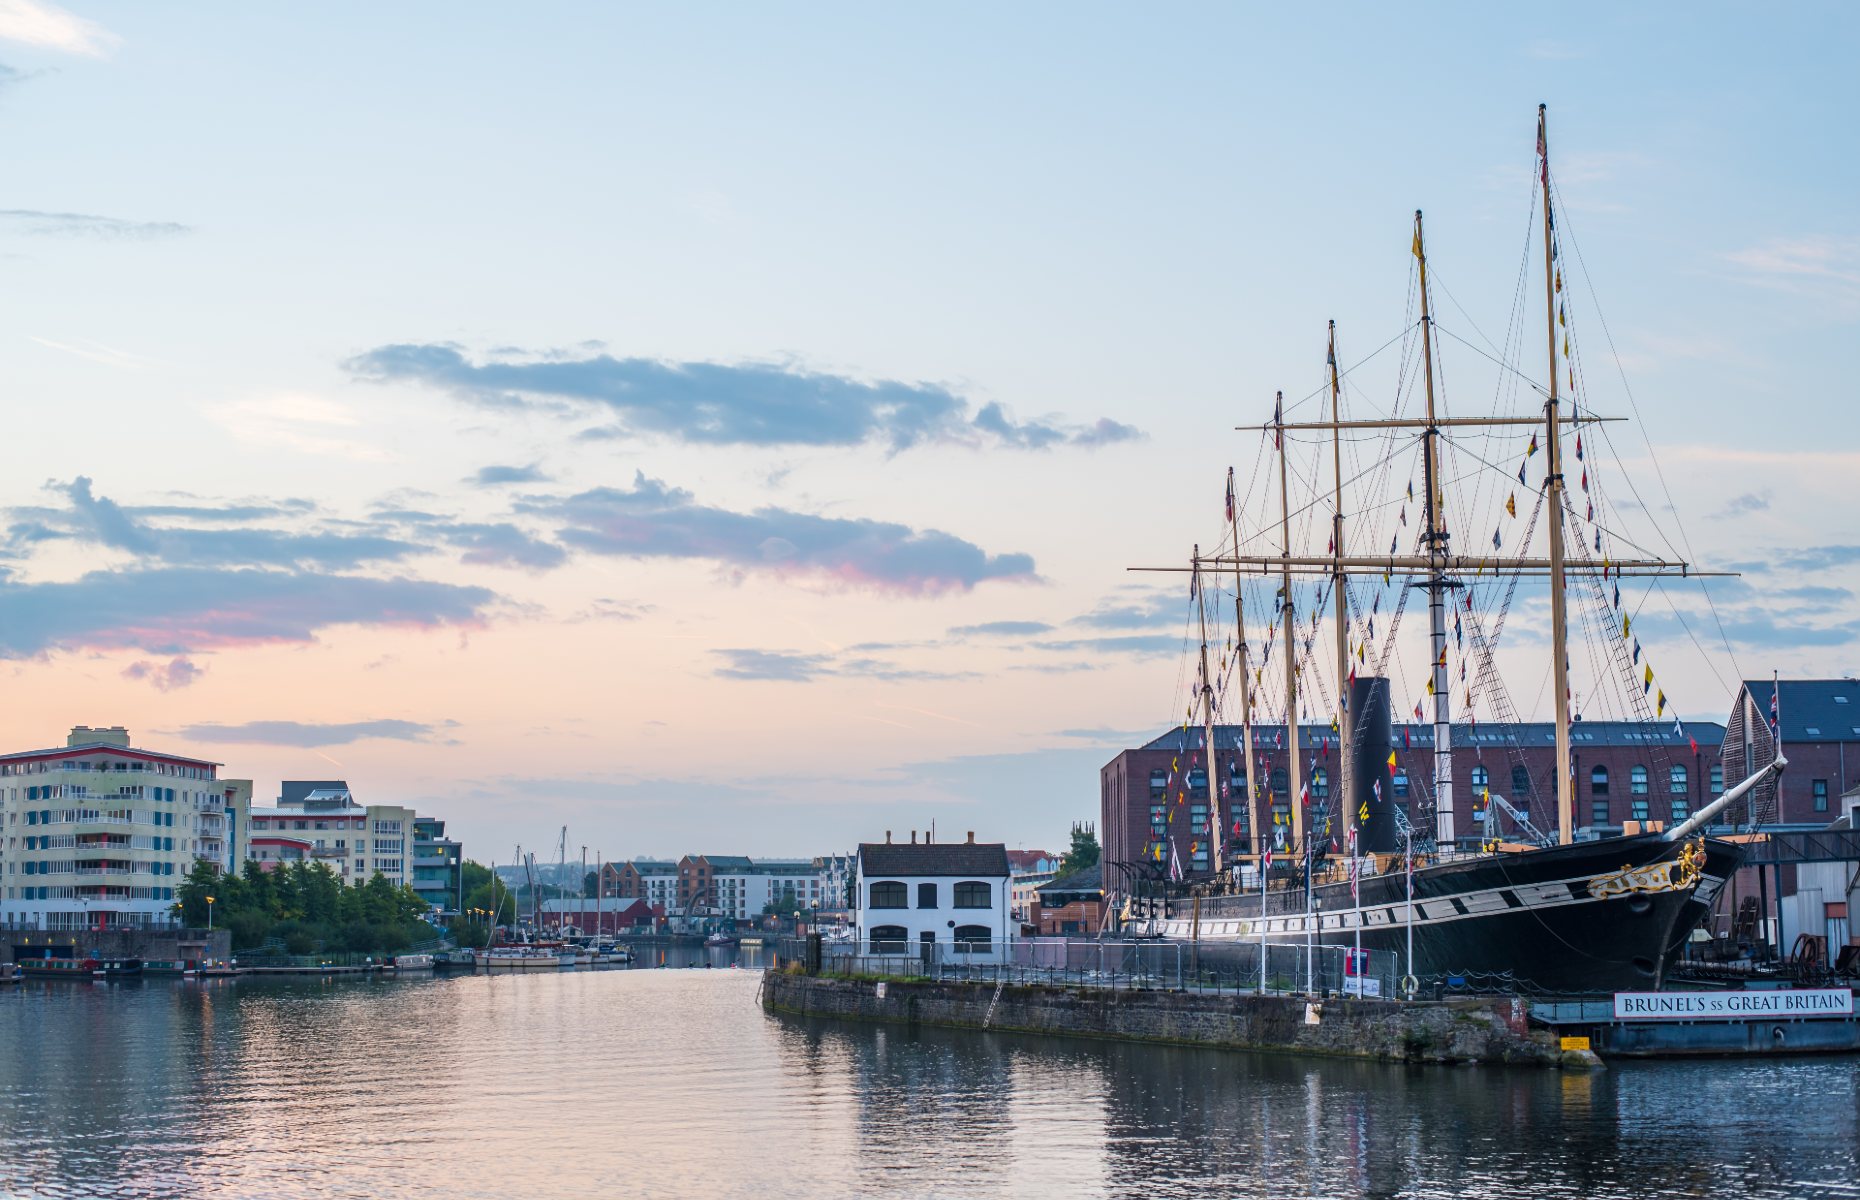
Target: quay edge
{"points": [[1488, 1031]]}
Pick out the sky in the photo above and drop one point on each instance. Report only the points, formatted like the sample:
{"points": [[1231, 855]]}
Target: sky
{"points": [[729, 429]]}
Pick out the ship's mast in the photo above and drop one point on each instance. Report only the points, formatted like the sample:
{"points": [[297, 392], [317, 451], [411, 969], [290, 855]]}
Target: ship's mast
{"points": [[1559, 618], [1293, 794], [1207, 714], [1245, 672], [1435, 534], [1345, 720]]}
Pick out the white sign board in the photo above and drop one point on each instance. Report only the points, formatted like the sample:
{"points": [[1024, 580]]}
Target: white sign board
{"points": [[1362, 985], [1733, 1006]]}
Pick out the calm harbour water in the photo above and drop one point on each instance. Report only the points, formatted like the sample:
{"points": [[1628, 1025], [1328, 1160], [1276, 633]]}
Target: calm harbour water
{"points": [[674, 1083]]}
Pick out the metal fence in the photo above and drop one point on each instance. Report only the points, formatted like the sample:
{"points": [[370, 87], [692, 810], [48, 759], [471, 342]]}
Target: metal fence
{"points": [[1213, 967]]}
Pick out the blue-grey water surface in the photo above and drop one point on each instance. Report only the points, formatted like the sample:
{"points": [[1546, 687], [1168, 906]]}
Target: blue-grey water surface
{"points": [[674, 1083]]}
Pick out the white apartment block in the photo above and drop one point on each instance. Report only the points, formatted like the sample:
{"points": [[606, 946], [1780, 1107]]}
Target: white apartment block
{"points": [[99, 833], [321, 821]]}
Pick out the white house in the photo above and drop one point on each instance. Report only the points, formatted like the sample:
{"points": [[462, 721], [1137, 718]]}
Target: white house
{"points": [[950, 895]]}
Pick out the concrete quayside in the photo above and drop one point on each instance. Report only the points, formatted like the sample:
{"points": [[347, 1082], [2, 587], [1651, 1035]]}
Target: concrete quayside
{"points": [[1469, 1029], [1472, 1030]]}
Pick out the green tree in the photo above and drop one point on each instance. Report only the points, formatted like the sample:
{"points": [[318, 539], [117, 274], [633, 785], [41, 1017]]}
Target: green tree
{"points": [[1084, 851]]}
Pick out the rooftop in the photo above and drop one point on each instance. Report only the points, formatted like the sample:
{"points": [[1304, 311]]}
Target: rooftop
{"points": [[1089, 881], [1811, 710], [974, 859]]}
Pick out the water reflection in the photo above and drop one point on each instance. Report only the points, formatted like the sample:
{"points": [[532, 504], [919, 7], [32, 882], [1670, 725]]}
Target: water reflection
{"points": [[670, 1082]]}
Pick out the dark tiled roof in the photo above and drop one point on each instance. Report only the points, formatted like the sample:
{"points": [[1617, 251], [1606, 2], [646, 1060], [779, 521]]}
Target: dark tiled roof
{"points": [[1812, 710], [291, 792], [1089, 881], [1486, 733], [734, 861], [979, 860]]}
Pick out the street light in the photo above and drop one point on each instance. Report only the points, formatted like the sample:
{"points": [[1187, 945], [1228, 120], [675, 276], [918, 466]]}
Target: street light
{"points": [[209, 914]]}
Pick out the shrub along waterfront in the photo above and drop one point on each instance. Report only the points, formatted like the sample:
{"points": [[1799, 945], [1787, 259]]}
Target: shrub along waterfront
{"points": [[305, 906]]}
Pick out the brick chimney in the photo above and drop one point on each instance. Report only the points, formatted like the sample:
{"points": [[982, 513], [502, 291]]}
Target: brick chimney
{"points": [[888, 837], [971, 837], [913, 837]]}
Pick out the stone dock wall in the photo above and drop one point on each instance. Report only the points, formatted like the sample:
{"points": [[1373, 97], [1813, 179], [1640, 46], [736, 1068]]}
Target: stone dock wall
{"points": [[169, 945], [1449, 1031]]}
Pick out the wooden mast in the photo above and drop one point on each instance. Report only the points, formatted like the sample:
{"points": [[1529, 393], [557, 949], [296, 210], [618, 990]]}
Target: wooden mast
{"points": [[1207, 714], [1435, 534], [1559, 619], [1245, 671], [1293, 793], [1346, 794]]}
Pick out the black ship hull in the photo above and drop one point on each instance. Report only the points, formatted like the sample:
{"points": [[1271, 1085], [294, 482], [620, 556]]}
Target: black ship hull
{"points": [[1587, 918]]}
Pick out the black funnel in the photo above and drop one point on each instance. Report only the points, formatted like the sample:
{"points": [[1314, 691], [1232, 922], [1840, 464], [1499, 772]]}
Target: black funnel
{"points": [[1373, 805]]}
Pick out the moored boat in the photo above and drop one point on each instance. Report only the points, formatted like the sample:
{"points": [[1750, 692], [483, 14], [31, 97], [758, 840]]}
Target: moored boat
{"points": [[1274, 862], [519, 958], [57, 968], [168, 967], [118, 968], [402, 963]]}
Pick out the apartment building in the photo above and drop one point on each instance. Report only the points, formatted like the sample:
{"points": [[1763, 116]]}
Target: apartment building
{"points": [[730, 886], [438, 864], [100, 832], [320, 820]]}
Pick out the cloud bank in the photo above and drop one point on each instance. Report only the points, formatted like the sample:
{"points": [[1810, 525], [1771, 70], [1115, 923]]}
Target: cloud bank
{"points": [[651, 520], [706, 403], [309, 735]]}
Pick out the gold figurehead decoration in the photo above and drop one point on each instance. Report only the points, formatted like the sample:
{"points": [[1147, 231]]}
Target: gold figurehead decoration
{"points": [[1679, 875]]}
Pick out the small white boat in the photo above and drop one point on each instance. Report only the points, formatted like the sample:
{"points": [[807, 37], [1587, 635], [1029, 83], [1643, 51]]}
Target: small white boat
{"points": [[519, 958], [411, 962]]}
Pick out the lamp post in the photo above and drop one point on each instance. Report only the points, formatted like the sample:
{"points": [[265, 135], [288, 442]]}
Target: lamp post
{"points": [[209, 914]]}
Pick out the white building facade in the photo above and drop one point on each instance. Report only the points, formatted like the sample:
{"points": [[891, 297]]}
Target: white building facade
{"points": [[99, 833], [321, 820], [949, 900]]}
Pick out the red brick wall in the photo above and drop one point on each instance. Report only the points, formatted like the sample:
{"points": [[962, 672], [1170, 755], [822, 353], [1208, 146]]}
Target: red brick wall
{"points": [[1124, 816]]}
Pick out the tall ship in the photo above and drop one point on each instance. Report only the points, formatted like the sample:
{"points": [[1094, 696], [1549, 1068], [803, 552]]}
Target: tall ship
{"points": [[1493, 900]]}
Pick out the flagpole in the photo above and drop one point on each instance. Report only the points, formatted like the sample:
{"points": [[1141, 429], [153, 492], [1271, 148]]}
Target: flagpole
{"points": [[1265, 865], [1408, 864], [1559, 621], [1345, 721], [1310, 924], [1245, 672], [1215, 829], [1293, 791], [1356, 901]]}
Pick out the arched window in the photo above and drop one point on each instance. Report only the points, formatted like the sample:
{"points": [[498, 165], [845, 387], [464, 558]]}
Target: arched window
{"points": [[1637, 781], [1198, 783], [971, 939], [1598, 781], [890, 939], [926, 895], [1400, 783], [1279, 781], [1481, 780], [971, 894], [1678, 781], [888, 895], [1520, 785], [1320, 784], [1717, 779]]}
